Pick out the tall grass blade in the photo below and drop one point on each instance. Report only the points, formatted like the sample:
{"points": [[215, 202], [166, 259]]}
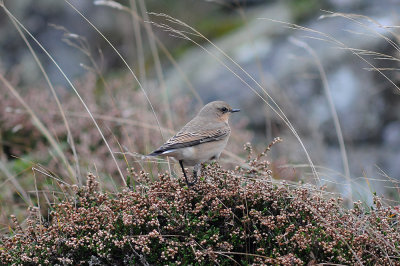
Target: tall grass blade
{"points": [[70, 139], [123, 60], [275, 108], [12, 17], [332, 108]]}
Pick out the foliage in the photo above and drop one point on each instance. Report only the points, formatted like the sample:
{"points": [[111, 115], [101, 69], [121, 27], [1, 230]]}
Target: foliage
{"points": [[231, 216]]}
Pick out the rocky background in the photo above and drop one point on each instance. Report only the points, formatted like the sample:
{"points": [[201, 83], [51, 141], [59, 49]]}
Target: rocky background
{"points": [[260, 37]]}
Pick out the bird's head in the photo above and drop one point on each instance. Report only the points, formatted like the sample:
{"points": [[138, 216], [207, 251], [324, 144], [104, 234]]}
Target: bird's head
{"points": [[218, 110]]}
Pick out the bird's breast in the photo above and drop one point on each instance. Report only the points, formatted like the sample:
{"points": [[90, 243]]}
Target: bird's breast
{"points": [[203, 152], [189, 152]]}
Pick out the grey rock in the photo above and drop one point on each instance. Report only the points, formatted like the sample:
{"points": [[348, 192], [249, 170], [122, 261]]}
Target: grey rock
{"points": [[289, 74]]}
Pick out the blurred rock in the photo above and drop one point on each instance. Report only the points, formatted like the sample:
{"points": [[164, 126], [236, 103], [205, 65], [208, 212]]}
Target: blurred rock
{"points": [[241, 3], [391, 135], [346, 4], [363, 99]]}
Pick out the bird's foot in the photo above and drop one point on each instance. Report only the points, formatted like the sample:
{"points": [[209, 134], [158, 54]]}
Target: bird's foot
{"points": [[194, 177], [189, 184]]}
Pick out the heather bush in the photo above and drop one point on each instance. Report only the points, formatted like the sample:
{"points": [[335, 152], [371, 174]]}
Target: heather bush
{"points": [[239, 216]]}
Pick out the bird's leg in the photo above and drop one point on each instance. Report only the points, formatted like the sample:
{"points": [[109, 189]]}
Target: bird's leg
{"points": [[184, 173], [195, 172]]}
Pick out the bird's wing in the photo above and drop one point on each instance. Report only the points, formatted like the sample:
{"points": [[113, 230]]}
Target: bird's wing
{"points": [[188, 139]]}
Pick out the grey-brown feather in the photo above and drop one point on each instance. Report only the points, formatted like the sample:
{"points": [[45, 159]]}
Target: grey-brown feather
{"points": [[206, 127], [188, 139]]}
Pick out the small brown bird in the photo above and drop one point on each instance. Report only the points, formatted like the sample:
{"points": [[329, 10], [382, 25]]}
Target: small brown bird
{"points": [[200, 140]]}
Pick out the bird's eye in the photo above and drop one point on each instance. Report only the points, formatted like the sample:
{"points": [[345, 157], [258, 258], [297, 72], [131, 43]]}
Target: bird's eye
{"points": [[224, 109]]}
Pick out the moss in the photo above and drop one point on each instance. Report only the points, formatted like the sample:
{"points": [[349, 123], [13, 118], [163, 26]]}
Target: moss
{"points": [[303, 9]]}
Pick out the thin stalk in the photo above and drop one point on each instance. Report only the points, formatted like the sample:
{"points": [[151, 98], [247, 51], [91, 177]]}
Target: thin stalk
{"points": [[134, 14], [157, 62], [127, 65], [12, 17], [123, 60], [139, 42], [332, 108], [70, 139], [39, 125], [276, 109], [15, 183]]}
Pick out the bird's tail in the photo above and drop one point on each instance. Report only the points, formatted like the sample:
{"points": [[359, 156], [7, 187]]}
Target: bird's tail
{"points": [[155, 153]]}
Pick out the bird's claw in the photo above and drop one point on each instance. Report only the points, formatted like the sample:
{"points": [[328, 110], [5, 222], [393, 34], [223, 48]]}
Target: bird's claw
{"points": [[194, 179], [189, 184]]}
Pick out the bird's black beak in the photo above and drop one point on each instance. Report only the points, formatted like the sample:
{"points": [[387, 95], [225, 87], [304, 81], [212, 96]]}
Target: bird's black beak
{"points": [[235, 110]]}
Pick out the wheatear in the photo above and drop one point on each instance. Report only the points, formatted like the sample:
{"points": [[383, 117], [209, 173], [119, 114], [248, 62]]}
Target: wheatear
{"points": [[200, 140]]}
